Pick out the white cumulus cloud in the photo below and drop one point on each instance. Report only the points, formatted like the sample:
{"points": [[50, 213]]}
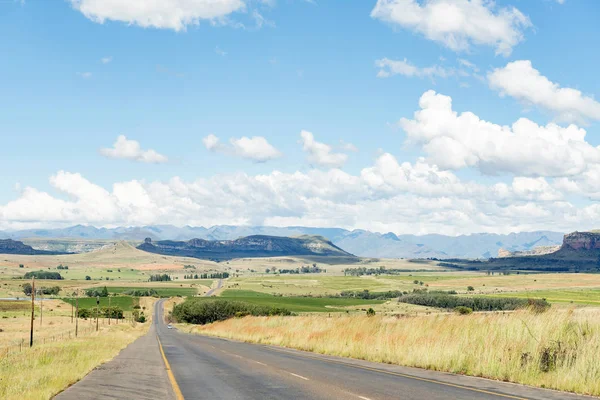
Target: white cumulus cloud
{"points": [[389, 68], [520, 80], [457, 24], [454, 141], [320, 153], [211, 142], [131, 150], [256, 148], [163, 14], [387, 196]]}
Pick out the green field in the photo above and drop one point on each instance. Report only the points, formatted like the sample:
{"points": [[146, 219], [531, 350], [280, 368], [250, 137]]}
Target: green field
{"points": [[126, 303], [585, 296], [163, 291], [296, 304]]}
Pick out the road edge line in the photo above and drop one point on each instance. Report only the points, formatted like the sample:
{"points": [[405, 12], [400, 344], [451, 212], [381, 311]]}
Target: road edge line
{"points": [[174, 385]]}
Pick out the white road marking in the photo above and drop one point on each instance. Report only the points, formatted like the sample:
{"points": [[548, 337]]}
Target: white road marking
{"points": [[364, 398], [299, 376], [258, 362]]}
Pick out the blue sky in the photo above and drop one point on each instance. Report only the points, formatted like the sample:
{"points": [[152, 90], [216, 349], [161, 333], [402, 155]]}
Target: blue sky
{"points": [[77, 74]]}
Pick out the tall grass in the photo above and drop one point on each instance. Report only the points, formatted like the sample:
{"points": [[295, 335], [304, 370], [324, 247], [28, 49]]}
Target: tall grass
{"points": [[46, 369], [558, 349]]}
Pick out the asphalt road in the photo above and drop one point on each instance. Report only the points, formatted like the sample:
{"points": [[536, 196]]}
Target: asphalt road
{"points": [[212, 368], [211, 291]]}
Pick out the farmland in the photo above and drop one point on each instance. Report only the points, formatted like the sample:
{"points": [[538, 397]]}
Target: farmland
{"points": [[297, 304]]}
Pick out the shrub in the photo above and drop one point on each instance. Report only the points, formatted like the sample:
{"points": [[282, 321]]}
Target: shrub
{"points": [[141, 292], [97, 293], [88, 278], [470, 288], [370, 312], [367, 295], [463, 310], [200, 311], [43, 275]]}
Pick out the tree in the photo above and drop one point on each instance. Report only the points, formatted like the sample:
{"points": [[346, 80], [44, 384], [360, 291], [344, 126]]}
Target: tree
{"points": [[470, 288], [370, 312], [104, 292], [88, 278], [27, 289]]}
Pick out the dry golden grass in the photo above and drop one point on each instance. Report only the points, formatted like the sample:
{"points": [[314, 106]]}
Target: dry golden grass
{"points": [[45, 370], [48, 368], [558, 349]]}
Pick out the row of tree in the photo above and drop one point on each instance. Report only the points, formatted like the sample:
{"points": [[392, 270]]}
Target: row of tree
{"points": [[160, 278], [474, 303]]}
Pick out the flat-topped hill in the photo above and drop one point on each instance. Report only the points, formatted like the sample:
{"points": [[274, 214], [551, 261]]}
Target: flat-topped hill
{"points": [[250, 246], [9, 246]]}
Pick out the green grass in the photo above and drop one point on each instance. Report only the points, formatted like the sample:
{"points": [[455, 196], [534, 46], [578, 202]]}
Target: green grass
{"points": [[583, 296], [125, 302], [295, 304], [163, 291]]}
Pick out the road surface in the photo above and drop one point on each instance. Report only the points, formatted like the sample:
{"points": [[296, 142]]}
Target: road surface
{"points": [[211, 291], [212, 368], [199, 367]]}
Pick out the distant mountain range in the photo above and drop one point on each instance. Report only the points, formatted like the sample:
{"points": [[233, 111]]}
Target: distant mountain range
{"points": [[250, 246], [359, 242]]}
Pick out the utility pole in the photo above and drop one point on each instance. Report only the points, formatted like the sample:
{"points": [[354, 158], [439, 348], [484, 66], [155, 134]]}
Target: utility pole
{"points": [[97, 311], [76, 312], [32, 310], [41, 305]]}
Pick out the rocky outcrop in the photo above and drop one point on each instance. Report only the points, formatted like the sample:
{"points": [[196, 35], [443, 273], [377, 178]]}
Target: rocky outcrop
{"points": [[536, 251], [9, 246], [250, 246], [581, 241]]}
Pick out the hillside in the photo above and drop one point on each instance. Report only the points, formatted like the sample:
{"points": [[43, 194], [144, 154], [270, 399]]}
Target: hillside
{"points": [[250, 246], [9, 246]]}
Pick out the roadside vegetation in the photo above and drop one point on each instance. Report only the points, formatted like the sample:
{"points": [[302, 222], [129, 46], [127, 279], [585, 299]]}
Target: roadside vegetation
{"points": [[196, 311], [46, 369], [557, 349]]}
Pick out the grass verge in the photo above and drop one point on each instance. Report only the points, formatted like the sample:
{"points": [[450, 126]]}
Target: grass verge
{"points": [[557, 349], [46, 369]]}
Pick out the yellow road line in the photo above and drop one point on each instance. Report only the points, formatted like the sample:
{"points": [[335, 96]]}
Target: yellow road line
{"points": [[176, 389], [506, 396]]}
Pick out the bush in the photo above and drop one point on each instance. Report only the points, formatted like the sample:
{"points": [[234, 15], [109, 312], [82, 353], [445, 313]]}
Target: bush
{"points": [[141, 293], [370, 312], [474, 303], [43, 290], [470, 288], [88, 278], [367, 295], [463, 310], [200, 311], [97, 293], [43, 275]]}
